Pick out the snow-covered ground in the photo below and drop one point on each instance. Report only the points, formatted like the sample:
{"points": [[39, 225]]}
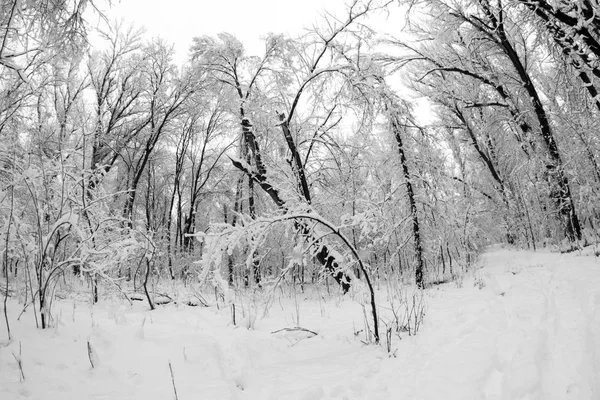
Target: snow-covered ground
{"points": [[524, 326]]}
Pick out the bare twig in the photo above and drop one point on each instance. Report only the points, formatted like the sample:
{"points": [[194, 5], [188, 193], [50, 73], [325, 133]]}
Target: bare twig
{"points": [[19, 360], [173, 381], [90, 355]]}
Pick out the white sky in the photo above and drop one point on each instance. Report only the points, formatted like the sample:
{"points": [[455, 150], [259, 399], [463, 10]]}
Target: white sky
{"points": [[178, 21]]}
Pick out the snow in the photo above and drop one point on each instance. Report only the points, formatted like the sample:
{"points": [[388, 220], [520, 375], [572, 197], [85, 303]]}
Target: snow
{"points": [[522, 326]]}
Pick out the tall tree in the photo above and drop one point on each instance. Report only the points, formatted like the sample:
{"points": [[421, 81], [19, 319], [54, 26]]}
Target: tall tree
{"points": [[164, 94], [488, 32], [117, 84]]}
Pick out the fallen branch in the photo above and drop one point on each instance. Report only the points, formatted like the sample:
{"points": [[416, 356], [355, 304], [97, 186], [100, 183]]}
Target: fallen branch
{"points": [[295, 329]]}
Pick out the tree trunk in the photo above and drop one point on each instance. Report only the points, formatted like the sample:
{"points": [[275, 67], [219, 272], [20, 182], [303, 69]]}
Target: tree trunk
{"points": [[259, 175], [146, 277], [168, 229], [252, 211], [419, 269], [236, 209], [555, 168]]}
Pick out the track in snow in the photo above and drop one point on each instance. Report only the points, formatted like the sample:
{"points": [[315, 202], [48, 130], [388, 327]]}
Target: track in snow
{"points": [[523, 326]]}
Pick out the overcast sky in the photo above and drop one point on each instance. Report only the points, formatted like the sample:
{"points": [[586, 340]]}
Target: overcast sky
{"points": [[178, 21]]}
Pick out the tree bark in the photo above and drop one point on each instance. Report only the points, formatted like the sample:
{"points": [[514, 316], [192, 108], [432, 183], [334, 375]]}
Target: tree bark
{"points": [[259, 176], [555, 167], [418, 247]]}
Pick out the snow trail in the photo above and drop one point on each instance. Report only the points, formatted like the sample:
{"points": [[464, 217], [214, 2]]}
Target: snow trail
{"points": [[523, 326], [550, 301]]}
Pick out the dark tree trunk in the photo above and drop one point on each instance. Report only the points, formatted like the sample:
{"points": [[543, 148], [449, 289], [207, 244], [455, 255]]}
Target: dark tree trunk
{"points": [[569, 44], [259, 175], [236, 209], [189, 228], [252, 211], [229, 258], [489, 161], [555, 168], [146, 278], [42, 300], [168, 229], [449, 259], [137, 176], [95, 288], [419, 269], [149, 199], [182, 147]]}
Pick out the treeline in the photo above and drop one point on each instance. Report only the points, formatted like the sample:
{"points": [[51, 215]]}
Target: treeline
{"points": [[116, 164]]}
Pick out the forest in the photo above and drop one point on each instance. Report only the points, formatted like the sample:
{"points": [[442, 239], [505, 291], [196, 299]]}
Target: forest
{"points": [[125, 176]]}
